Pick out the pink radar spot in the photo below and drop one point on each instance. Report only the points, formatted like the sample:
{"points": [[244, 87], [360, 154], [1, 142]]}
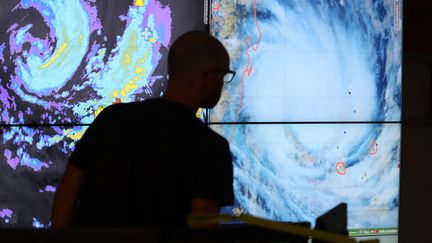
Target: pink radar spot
{"points": [[215, 10], [341, 168], [373, 149]]}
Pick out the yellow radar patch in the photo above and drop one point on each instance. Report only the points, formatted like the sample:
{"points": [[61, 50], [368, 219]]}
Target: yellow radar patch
{"points": [[199, 113], [139, 3]]}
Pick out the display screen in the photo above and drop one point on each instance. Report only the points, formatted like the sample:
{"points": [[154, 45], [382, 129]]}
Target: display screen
{"points": [[31, 165], [64, 61], [61, 63], [297, 172], [300, 60], [313, 114]]}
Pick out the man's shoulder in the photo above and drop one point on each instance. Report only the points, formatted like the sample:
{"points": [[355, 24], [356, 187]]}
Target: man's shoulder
{"points": [[130, 106], [146, 105], [132, 109], [213, 137]]}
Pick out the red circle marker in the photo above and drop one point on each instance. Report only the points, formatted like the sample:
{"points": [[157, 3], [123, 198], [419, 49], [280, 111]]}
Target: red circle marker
{"points": [[373, 149], [340, 168], [117, 101]]}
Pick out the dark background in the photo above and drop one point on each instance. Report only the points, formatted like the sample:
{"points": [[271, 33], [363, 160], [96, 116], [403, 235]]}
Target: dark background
{"points": [[416, 167]]}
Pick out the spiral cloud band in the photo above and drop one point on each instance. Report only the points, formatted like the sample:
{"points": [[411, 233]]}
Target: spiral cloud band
{"points": [[62, 62], [334, 68]]}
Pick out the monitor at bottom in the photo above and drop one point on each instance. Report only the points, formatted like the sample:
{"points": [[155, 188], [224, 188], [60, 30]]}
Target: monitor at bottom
{"points": [[297, 172]]}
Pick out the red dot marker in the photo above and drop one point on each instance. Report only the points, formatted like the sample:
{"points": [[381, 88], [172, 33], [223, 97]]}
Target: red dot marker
{"points": [[117, 101], [340, 168], [373, 149]]}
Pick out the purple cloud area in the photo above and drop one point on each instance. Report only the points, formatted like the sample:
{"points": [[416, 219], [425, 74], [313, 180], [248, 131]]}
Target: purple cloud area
{"points": [[1, 52], [12, 161], [95, 23], [26, 160], [6, 213], [41, 8], [162, 22], [8, 103], [48, 188]]}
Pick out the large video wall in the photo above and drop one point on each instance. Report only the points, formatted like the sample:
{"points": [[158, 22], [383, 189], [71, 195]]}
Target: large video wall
{"points": [[314, 114], [61, 63]]}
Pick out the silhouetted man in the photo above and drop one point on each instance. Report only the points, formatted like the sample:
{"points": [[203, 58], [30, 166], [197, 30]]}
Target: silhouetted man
{"points": [[152, 163]]}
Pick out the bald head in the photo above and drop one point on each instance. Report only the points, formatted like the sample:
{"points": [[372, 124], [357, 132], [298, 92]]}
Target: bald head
{"points": [[197, 64], [195, 52]]}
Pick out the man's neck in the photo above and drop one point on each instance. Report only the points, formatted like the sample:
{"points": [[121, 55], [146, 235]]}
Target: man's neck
{"points": [[181, 98]]}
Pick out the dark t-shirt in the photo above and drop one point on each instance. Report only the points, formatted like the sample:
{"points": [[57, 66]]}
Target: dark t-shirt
{"points": [[144, 162]]}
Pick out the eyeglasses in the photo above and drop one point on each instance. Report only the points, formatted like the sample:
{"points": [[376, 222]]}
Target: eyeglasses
{"points": [[228, 74]]}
